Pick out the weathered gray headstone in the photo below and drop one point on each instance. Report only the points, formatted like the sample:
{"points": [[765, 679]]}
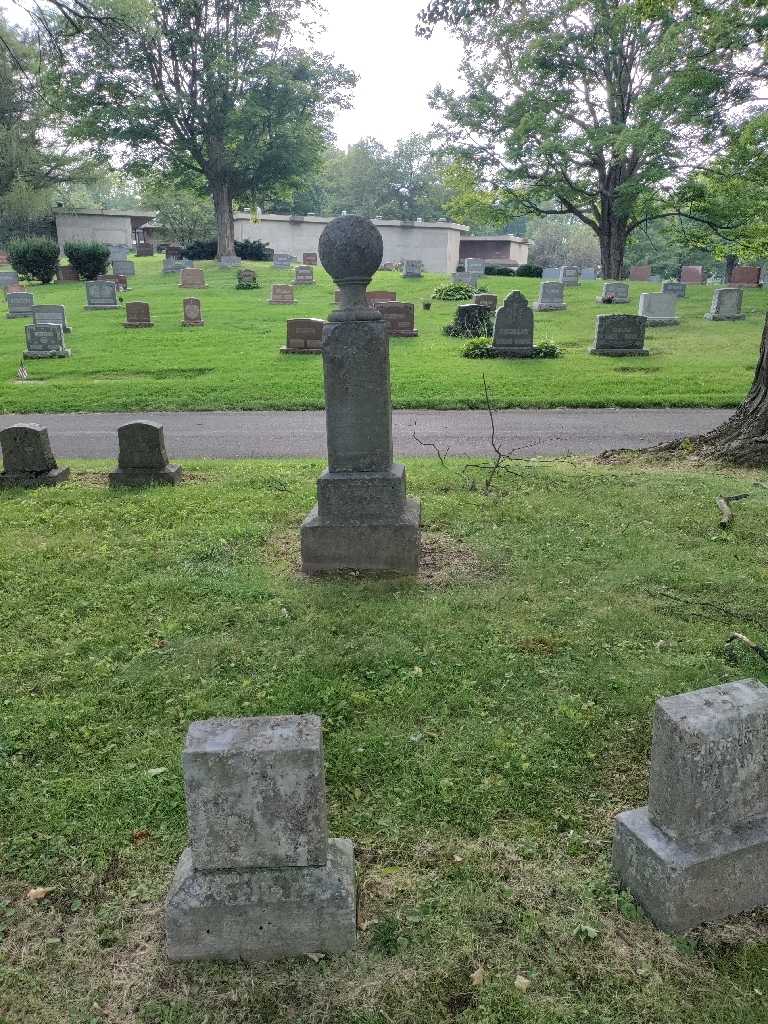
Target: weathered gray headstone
{"points": [[282, 295], [399, 318], [101, 295], [487, 299], [125, 267], [550, 274], [8, 277], [67, 274], [412, 268], [118, 251], [174, 265], [620, 334], [726, 304], [137, 315], [304, 336], [192, 277], [19, 304], [282, 260], [659, 309], [27, 457], [141, 456], [304, 275], [462, 277], [145, 249], [260, 878], [551, 297], [227, 262], [473, 265], [363, 520], [588, 274], [513, 327], [614, 293], [569, 276], [51, 314], [699, 850], [193, 316], [45, 341], [677, 288]]}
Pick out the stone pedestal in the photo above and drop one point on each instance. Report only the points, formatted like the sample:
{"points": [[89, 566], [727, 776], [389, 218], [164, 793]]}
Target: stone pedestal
{"points": [[699, 851], [363, 520], [260, 878]]}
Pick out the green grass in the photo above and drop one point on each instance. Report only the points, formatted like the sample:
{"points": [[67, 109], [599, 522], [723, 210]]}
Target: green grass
{"points": [[483, 725], [234, 361]]}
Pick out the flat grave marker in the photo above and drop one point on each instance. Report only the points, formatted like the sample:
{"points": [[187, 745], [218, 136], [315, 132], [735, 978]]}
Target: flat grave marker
{"points": [[101, 295], [282, 295], [619, 334]]}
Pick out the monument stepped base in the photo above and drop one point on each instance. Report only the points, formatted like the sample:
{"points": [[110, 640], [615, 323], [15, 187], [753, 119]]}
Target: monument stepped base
{"points": [[366, 547], [142, 477], [49, 479]]}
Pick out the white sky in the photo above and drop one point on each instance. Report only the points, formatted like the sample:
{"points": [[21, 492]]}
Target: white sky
{"points": [[396, 69]]}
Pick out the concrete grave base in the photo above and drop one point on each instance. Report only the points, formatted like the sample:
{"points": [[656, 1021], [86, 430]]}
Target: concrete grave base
{"points": [[49, 479], [366, 547], [192, 323], [61, 354], [679, 887], [714, 316], [618, 351], [170, 474], [21, 312], [263, 913], [116, 306], [513, 353], [150, 324], [661, 321], [613, 302], [547, 307], [301, 351]]}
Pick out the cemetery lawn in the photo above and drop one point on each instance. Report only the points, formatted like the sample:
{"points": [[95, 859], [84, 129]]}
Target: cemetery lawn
{"points": [[483, 726], [234, 361]]}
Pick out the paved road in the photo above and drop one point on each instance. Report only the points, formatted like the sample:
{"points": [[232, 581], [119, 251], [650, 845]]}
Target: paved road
{"points": [[240, 435]]}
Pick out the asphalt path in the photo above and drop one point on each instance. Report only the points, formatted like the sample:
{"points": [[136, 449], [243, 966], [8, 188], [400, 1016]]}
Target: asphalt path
{"points": [[246, 435]]}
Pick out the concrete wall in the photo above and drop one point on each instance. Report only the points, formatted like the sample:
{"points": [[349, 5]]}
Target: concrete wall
{"points": [[509, 248], [435, 244], [113, 227]]}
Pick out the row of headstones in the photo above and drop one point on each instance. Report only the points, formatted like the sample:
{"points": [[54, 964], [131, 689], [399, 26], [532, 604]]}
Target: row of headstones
{"points": [[569, 275], [304, 335], [262, 879], [743, 275], [284, 261], [28, 459]]}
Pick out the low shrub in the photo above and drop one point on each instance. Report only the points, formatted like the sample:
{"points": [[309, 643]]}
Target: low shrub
{"points": [[477, 324], [453, 292], [479, 348], [88, 258], [35, 257], [530, 270], [247, 284], [200, 250], [500, 271], [546, 350], [255, 250], [206, 249]]}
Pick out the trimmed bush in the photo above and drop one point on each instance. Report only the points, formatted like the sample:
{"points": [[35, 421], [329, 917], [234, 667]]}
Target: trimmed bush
{"points": [[453, 293], [255, 250], [88, 258], [205, 249], [546, 350], [201, 250], [478, 348], [35, 257], [500, 271], [530, 270]]}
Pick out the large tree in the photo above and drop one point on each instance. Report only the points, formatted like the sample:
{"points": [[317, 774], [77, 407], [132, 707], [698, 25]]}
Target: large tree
{"points": [[217, 88], [595, 108]]}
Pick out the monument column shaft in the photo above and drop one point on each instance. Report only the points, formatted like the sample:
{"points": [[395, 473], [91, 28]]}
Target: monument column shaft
{"points": [[358, 409]]}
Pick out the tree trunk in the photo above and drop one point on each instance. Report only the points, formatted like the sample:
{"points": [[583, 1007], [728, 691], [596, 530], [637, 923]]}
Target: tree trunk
{"points": [[613, 241], [730, 263], [225, 222], [742, 439]]}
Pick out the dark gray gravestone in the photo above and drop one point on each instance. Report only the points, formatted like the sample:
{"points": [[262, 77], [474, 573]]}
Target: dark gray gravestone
{"points": [[282, 260], [487, 299], [304, 336], [45, 341], [551, 297], [227, 262], [363, 520], [101, 295], [304, 275], [699, 850], [570, 276], [462, 277], [51, 315], [261, 878], [588, 274], [550, 274], [67, 274], [513, 328], [27, 457], [726, 305], [412, 268], [125, 267], [19, 304], [137, 315], [8, 277], [145, 249], [620, 335], [677, 288], [399, 318], [141, 459]]}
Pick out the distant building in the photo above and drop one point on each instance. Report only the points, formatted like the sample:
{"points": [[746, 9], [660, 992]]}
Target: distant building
{"points": [[509, 250], [113, 227]]}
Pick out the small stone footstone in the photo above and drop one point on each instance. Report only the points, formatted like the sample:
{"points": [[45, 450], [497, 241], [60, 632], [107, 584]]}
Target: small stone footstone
{"points": [[304, 336], [19, 304], [551, 297], [363, 520], [614, 293], [260, 879], [304, 275], [620, 334], [67, 275], [399, 318], [101, 295], [659, 309], [692, 275], [227, 262], [550, 274], [282, 260], [487, 299], [141, 456], [726, 305], [570, 276], [8, 277], [745, 276], [45, 341], [126, 268], [699, 851], [474, 265], [282, 295], [373, 297], [462, 277], [676, 288], [137, 315], [193, 314], [640, 273], [46, 314], [192, 277], [412, 268], [28, 459], [513, 328], [309, 259]]}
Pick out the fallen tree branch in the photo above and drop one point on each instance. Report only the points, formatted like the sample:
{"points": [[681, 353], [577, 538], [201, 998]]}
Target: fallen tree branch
{"points": [[723, 502], [757, 649], [441, 454]]}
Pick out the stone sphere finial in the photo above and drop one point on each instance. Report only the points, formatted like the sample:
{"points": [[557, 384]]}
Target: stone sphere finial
{"points": [[351, 250]]}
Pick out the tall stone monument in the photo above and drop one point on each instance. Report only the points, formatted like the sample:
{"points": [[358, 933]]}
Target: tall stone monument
{"points": [[363, 520], [260, 878], [699, 850]]}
